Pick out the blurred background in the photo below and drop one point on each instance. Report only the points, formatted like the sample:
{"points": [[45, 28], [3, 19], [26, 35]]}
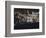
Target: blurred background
{"points": [[26, 15]]}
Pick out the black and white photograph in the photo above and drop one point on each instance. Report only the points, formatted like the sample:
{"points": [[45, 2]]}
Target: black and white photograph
{"points": [[26, 18]]}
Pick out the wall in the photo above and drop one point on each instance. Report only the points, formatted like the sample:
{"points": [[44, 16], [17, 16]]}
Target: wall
{"points": [[2, 19]]}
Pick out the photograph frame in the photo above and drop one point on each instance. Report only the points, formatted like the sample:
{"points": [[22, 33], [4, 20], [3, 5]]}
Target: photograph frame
{"points": [[8, 18]]}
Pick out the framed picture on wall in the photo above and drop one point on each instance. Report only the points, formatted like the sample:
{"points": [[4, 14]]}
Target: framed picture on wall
{"points": [[24, 18]]}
